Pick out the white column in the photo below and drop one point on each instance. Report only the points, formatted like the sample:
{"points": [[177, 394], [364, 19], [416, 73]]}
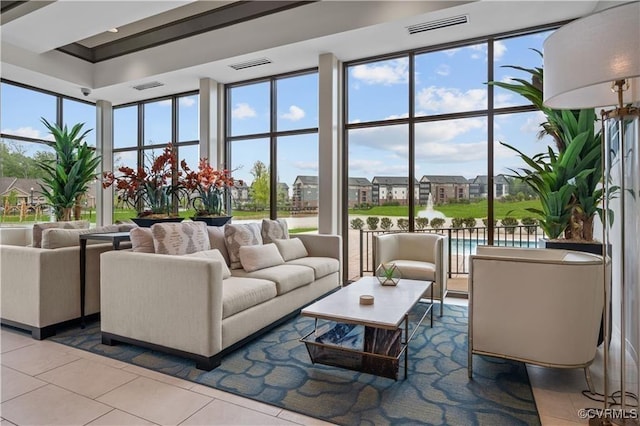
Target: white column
{"points": [[329, 144], [104, 148], [211, 122]]}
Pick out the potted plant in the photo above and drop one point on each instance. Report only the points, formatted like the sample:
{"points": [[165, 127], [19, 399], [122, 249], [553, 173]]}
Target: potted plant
{"points": [[67, 180], [153, 191], [207, 188], [566, 179]]}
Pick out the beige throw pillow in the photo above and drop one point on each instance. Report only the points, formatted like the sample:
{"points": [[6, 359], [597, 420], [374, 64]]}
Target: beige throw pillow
{"points": [[291, 249], [180, 238], [141, 240], [216, 241], [236, 236], [274, 230], [260, 257], [39, 228], [215, 255]]}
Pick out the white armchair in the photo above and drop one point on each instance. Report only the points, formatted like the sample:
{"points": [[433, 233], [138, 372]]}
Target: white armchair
{"points": [[418, 256], [539, 306]]}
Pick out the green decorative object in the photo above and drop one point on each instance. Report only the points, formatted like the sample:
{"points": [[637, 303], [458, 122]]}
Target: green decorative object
{"points": [[388, 274]]}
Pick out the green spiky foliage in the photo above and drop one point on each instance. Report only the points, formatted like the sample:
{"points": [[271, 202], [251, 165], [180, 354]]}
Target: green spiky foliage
{"points": [[567, 180], [68, 179]]}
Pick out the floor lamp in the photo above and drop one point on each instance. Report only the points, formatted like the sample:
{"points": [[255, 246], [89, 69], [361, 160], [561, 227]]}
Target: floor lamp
{"points": [[595, 62]]}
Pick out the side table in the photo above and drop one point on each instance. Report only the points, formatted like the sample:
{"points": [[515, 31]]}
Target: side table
{"points": [[116, 238]]}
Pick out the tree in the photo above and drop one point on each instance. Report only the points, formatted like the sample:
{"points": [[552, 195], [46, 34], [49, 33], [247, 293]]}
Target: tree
{"points": [[259, 190]]}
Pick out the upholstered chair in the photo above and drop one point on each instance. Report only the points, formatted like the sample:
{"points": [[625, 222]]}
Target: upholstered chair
{"points": [[539, 306], [418, 256]]}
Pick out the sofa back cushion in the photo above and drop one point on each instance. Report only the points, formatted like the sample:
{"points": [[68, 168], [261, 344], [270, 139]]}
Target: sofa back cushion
{"points": [[141, 240], [236, 236], [54, 238], [291, 249], [39, 228], [216, 241], [274, 230], [254, 258], [180, 238], [216, 255]]}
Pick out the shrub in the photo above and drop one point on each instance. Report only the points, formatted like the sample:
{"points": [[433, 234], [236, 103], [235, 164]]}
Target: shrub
{"points": [[357, 223], [403, 224], [391, 203], [469, 222], [422, 222], [531, 224], [486, 222], [510, 224], [372, 222], [386, 224], [437, 222], [456, 222]]}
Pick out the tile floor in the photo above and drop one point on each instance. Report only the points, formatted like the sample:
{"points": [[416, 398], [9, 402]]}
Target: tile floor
{"points": [[45, 383]]}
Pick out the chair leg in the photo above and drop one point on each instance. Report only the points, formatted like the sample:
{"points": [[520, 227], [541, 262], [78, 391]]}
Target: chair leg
{"points": [[441, 307], [587, 376]]}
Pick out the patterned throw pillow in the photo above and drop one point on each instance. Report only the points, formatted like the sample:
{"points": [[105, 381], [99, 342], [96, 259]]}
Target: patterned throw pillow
{"points": [[141, 240], [235, 236], [38, 228], [180, 238], [274, 230]]}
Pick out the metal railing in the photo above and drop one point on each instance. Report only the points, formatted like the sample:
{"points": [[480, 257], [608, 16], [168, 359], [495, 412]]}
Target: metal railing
{"points": [[462, 243]]}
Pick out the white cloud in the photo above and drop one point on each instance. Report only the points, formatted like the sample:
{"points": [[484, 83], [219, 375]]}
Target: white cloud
{"points": [[371, 168], [532, 124], [445, 100], [451, 52], [166, 102], [243, 110], [390, 72], [295, 113], [499, 49], [27, 132], [306, 165], [187, 101], [443, 70]]}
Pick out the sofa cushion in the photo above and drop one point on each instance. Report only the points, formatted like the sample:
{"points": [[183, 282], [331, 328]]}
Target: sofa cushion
{"points": [[54, 238], [274, 230], [38, 228], [125, 227], [416, 269], [236, 236], [286, 277], [263, 256], [180, 238], [216, 255], [322, 266], [239, 294], [141, 240], [216, 241], [291, 249]]}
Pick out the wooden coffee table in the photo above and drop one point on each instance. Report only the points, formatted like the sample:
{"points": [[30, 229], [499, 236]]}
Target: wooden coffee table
{"points": [[367, 338]]}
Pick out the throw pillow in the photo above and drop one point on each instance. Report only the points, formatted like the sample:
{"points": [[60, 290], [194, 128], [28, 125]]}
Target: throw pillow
{"points": [[180, 238], [216, 241], [141, 240], [274, 230], [215, 255], [291, 249], [260, 257], [54, 238], [39, 228], [236, 236]]}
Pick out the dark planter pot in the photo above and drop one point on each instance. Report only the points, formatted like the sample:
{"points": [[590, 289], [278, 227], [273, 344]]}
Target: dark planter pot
{"points": [[593, 248], [213, 220], [146, 222]]}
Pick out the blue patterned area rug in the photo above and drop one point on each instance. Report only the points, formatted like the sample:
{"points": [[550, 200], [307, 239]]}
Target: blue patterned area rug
{"points": [[276, 369]]}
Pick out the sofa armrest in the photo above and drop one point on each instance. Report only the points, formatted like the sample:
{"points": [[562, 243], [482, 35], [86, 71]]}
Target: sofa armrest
{"points": [[172, 301], [318, 245]]}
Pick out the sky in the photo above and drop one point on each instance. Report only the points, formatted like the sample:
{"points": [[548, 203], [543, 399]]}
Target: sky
{"points": [[449, 81]]}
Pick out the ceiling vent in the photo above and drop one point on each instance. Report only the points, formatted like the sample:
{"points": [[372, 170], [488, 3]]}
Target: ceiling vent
{"points": [[150, 85], [249, 64], [439, 23]]}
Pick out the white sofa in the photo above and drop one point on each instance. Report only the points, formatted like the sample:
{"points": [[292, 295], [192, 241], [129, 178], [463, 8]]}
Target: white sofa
{"points": [[183, 305], [539, 306], [40, 286], [418, 256]]}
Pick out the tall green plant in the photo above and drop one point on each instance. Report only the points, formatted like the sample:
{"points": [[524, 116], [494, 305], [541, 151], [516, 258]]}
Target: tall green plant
{"points": [[68, 178]]}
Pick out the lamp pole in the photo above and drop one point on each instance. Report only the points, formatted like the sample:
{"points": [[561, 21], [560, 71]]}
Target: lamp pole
{"points": [[31, 202]]}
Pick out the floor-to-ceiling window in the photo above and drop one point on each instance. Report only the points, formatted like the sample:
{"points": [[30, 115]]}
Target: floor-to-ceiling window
{"points": [[25, 140], [423, 130], [272, 146]]}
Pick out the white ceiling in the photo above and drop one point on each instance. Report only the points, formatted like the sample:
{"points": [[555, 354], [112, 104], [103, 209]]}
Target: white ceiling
{"points": [[292, 39]]}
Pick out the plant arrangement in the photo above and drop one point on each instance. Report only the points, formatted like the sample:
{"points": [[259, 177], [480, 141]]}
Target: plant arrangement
{"points": [[386, 224], [421, 223], [357, 223], [567, 179], [153, 191], [207, 188], [437, 222], [67, 180], [388, 274], [372, 222]]}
